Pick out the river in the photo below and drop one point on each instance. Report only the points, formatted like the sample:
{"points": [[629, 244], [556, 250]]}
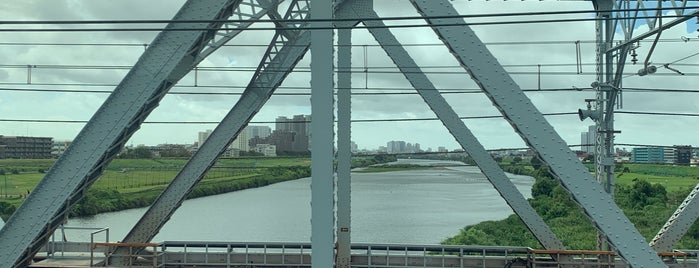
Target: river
{"points": [[414, 207]]}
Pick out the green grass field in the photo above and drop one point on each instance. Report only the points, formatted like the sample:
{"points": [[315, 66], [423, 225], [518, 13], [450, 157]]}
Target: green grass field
{"points": [[20, 176], [673, 178]]}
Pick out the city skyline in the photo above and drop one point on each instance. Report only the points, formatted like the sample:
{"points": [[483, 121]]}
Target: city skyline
{"points": [[406, 116]]}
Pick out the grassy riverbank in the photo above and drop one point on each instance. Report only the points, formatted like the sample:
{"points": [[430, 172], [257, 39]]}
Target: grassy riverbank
{"points": [[395, 167], [132, 183], [648, 195]]}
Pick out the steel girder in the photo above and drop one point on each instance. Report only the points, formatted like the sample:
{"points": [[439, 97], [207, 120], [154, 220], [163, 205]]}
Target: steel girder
{"points": [[278, 61], [248, 11], [678, 224], [528, 122], [344, 149], [323, 138], [458, 129], [167, 60]]}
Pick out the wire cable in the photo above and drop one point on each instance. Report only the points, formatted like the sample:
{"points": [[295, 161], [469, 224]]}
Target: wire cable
{"points": [[297, 21], [494, 43], [353, 121], [500, 22]]}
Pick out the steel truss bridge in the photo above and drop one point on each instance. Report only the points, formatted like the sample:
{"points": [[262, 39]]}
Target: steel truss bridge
{"points": [[202, 26]]}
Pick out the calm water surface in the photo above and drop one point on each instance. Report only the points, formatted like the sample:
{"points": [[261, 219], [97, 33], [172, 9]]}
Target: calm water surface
{"points": [[416, 207]]}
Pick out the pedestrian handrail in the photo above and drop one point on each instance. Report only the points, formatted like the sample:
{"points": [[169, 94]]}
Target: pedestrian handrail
{"points": [[132, 255]]}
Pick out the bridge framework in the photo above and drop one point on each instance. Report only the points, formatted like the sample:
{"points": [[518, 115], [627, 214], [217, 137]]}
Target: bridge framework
{"points": [[174, 53]]}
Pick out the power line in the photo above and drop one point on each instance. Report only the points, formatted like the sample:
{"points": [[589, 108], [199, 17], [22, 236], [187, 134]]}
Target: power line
{"points": [[272, 122], [353, 121], [353, 69], [320, 28], [357, 91], [297, 21], [647, 145], [657, 113], [494, 43], [456, 72]]}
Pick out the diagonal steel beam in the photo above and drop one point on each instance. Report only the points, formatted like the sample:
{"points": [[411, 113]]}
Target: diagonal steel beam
{"points": [[458, 129], [279, 60], [167, 60], [528, 122], [678, 224]]}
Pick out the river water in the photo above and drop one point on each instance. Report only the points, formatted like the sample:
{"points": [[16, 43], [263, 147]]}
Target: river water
{"points": [[414, 207]]}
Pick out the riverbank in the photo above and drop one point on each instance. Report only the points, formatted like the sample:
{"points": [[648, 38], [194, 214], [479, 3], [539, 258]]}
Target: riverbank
{"points": [[648, 205], [133, 183]]}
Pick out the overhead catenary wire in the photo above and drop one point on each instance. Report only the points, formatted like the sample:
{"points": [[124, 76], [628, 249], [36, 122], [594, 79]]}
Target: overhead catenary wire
{"points": [[374, 70], [297, 21], [364, 91], [420, 25], [353, 121], [491, 43]]}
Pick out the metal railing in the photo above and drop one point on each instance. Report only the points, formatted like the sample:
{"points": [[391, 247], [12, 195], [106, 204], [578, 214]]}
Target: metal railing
{"points": [[282, 254], [135, 256], [196, 253], [594, 258]]}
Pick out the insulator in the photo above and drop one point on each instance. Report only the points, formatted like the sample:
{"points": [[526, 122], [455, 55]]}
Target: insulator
{"points": [[648, 70]]}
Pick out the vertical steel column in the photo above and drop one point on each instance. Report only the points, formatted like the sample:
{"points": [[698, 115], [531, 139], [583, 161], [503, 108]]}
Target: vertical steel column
{"points": [[530, 124], [457, 128], [322, 127], [344, 148], [606, 97]]}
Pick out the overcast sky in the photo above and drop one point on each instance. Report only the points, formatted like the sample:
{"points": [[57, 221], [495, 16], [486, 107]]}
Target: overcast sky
{"points": [[493, 133]]}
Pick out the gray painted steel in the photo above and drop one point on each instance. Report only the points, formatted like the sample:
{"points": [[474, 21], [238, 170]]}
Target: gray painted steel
{"points": [[678, 224], [249, 10], [323, 138], [344, 148], [540, 135], [459, 130], [280, 55], [604, 138], [158, 69]]}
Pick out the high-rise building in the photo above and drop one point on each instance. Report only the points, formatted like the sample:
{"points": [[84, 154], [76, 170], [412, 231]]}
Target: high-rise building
{"points": [[588, 139], [396, 146], [241, 141], [282, 123], [203, 135], [259, 131], [25, 147], [302, 127]]}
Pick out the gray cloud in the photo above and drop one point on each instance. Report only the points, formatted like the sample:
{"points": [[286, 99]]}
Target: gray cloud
{"points": [[494, 133]]}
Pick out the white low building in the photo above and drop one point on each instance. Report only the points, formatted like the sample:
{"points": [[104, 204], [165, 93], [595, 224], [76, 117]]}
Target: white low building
{"points": [[266, 149]]}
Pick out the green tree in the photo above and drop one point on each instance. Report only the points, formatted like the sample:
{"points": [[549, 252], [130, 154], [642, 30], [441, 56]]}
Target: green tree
{"points": [[140, 152], [536, 162], [516, 160]]}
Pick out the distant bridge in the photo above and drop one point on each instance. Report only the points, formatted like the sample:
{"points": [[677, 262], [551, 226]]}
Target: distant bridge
{"points": [[202, 26]]}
